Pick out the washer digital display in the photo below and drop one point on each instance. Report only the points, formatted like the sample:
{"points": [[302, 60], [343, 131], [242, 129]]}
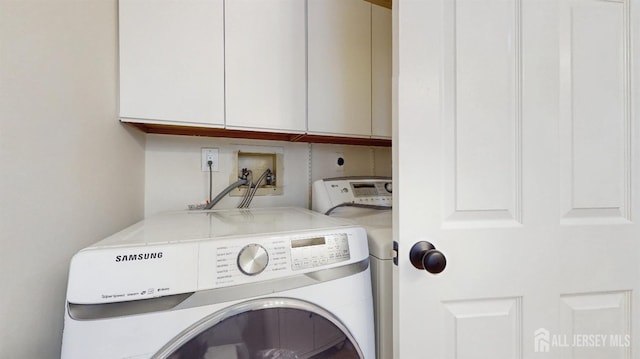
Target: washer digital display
{"points": [[364, 189], [307, 242]]}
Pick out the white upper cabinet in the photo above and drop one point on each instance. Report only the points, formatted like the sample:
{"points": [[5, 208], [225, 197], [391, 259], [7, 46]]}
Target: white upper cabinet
{"points": [[381, 54], [339, 67], [172, 61], [265, 65], [293, 66]]}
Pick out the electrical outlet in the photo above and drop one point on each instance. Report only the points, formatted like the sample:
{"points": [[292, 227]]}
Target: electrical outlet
{"points": [[209, 154]]}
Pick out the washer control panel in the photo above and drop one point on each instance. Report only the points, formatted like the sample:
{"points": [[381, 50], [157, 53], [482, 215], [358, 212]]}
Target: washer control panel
{"points": [[253, 259], [318, 251], [233, 262], [237, 262], [213, 250]]}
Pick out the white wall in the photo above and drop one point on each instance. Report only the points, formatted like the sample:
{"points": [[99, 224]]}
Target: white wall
{"points": [[359, 161], [58, 102], [174, 178]]}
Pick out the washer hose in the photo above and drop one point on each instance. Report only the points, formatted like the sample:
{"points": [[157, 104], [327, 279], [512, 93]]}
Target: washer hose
{"points": [[224, 193]]}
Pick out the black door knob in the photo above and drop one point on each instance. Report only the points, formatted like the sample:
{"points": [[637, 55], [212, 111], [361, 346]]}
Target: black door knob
{"points": [[424, 255]]}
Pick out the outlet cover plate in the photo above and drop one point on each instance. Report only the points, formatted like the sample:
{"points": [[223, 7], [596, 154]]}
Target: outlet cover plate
{"points": [[210, 154]]}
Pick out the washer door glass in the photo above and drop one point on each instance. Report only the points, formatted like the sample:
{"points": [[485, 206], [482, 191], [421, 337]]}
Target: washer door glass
{"points": [[265, 329]]}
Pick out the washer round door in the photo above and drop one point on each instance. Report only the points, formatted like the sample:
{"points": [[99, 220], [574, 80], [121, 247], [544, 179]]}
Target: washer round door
{"points": [[273, 328]]}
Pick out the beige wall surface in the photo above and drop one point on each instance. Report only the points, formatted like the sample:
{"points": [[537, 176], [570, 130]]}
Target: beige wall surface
{"points": [[174, 177], [70, 174]]}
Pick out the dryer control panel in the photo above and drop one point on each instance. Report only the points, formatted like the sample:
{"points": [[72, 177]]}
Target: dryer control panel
{"points": [[330, 192]]}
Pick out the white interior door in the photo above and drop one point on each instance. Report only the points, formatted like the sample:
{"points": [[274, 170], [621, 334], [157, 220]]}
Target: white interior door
{"points": [[516, 155]]}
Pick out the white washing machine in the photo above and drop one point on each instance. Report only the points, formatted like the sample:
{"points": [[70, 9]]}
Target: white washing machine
{"points": [[367, 201], [260, 283]]}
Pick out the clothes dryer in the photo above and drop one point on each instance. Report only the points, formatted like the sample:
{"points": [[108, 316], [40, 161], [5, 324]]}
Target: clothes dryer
{"points": [[367, 201], [259, 283]]}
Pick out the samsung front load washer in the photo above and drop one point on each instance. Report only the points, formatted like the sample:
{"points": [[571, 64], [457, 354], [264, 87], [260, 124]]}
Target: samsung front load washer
{"points": [[367, 201], [260, 283]]}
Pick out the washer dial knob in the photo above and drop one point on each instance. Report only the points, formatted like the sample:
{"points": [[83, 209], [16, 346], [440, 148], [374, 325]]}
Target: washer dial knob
{"points": [[253, 259]]}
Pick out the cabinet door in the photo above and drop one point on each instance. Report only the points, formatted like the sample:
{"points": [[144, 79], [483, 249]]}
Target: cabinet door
{"points": [[380, 71], [172, 61], [339, 53], [266, 64]]}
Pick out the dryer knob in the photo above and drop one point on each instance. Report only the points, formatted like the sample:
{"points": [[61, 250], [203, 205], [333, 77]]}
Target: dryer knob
{"points": [[253, 259]]}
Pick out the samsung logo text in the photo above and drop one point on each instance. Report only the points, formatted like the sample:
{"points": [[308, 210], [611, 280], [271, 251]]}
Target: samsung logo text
{"points": [[138, 257]]}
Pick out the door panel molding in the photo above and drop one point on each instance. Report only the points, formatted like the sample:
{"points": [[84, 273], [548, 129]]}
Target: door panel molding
{"points": [[484, 328], [595, 136], [606, 314], [482, 114]]}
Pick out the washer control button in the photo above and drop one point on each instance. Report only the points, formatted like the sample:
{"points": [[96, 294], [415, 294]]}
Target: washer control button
{"points": [[253, 259]]}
